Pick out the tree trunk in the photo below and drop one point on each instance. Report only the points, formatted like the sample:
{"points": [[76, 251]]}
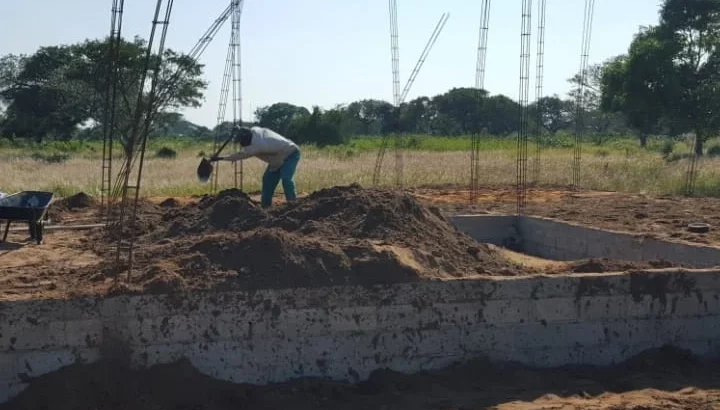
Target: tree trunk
{"points": [[643, 140], [699, 141]]}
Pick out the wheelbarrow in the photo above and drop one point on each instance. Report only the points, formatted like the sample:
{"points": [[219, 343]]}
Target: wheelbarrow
{"points": [[26, 206]]}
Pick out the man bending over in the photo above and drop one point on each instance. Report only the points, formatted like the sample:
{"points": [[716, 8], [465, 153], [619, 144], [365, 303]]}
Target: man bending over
{"points": [[281, 155]]}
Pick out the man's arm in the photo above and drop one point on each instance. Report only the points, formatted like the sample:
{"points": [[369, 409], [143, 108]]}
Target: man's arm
{"points": [[238, 156]]}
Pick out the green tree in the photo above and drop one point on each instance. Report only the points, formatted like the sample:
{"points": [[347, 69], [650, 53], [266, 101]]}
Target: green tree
{"points": [[32, 88], [320, 127], [167, 121], [556, 114], [502, 115], [636, 85], [596, 120], [57, 88], [366, 117], [692, 29], [415, 116], [670, 74], [458, 111], [279, 116]]}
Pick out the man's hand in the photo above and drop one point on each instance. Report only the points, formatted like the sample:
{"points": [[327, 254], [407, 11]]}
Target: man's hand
{"points": [[216, 158]]}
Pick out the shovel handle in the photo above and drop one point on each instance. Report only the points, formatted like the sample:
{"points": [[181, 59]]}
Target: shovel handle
{"points": [[224, 144]]}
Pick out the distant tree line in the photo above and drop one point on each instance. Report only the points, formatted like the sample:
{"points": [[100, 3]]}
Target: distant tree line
{"points": [[460, 111]]}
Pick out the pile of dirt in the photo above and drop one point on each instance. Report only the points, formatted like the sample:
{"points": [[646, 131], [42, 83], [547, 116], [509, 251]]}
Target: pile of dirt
{"points": [[79, 202], [657, 379], [337, 236], [170, 203]]}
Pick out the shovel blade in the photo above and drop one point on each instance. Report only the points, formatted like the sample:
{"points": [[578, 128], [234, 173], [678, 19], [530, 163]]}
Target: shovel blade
{"points": [[204, 170]]}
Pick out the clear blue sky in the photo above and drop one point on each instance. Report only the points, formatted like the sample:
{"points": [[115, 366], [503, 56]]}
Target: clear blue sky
{"points": [[327, 52]]}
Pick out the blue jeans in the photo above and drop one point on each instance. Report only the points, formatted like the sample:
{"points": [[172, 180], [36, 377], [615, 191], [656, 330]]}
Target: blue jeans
{"points": [[286, 173]]}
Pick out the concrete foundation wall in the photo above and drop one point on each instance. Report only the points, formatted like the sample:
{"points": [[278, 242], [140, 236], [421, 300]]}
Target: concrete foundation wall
{"points": [[347, 332], [555, 240]]}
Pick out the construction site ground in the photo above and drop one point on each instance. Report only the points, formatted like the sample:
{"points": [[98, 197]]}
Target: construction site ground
{"points": [[33, 271], [665, 380]]}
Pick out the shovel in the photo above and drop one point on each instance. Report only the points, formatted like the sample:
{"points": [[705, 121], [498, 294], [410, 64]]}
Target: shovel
{"points": [[205, 169]]}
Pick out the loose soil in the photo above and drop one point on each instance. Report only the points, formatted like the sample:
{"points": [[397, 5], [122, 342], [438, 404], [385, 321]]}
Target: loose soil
{"points": [[343, 235], [63, 209], [658, 217], [661, 379], [337, 236]]}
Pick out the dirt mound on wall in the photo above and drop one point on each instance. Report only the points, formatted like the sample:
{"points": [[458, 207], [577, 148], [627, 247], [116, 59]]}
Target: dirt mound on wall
{"points": [[338, 236]]}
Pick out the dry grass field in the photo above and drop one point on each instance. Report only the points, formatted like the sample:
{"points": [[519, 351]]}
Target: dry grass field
{"points": [[639, 172]]}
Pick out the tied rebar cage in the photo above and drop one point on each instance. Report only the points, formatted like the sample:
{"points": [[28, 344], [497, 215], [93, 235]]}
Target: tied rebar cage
{"points": [[237, 87], [523, 100], [539, 79], [392, 129], [395, 52], [110, 108], [232, 78], [692, 170], [135, 146], [580, 98], [479, 90], [222, 108]]}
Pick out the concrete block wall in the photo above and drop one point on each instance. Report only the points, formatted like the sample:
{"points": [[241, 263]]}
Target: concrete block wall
{"points": [[550, 239], [347, 332], [563, 241], [500, 230]]}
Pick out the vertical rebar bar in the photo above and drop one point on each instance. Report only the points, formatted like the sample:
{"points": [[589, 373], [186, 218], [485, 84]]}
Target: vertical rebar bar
{"points": [[142, 120], [523, 100], [539, 79], [580, 98], [237, 86], [691, 173], [479, 90], [110, 107]]}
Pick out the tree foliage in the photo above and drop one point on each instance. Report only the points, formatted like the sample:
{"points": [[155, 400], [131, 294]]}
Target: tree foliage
{"points": [[58, 88], [279, 116], [670, 75]]}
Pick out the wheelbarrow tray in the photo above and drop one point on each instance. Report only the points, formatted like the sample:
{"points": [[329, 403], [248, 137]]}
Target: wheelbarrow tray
{"points": [[27, 206]]}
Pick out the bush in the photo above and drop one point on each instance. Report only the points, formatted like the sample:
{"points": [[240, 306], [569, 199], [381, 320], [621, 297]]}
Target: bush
{"points": [[558, 141], [667, 148], [713, 151], [413, 141], [166, 152], [677, 156], [50, 157], [202, 154]]}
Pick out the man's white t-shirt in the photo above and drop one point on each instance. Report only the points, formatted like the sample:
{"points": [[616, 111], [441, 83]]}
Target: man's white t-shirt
{"points": [[267, 145]]}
